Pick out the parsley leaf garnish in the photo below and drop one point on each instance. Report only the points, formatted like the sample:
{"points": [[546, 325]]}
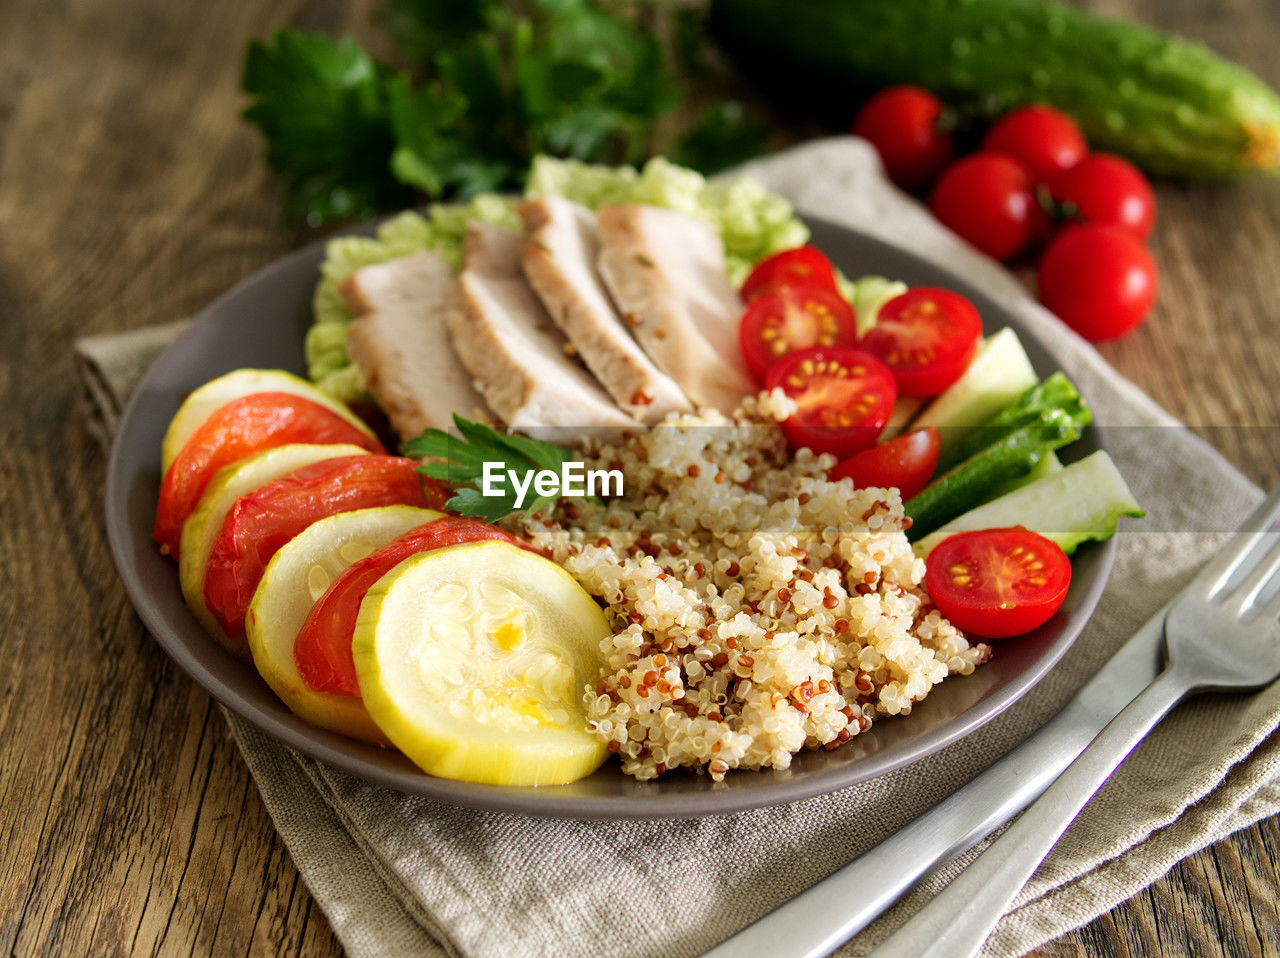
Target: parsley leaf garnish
{"points": [[483, 90], [322, 106], [459, 460]]}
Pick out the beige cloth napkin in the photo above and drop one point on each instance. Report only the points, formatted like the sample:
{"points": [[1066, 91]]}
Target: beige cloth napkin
{"points": [[403, 875]]}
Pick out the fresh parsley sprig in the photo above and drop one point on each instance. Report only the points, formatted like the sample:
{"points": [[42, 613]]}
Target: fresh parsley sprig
{"points": [[459, 460], [479, 89]]}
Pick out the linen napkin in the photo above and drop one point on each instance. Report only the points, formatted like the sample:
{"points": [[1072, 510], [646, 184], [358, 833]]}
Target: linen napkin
{"points": [[402, 875]]}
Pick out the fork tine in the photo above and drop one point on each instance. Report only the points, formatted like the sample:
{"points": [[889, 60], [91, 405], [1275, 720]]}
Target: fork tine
{"points": [[1260, 575], [1271, 611], [1218, 570]]}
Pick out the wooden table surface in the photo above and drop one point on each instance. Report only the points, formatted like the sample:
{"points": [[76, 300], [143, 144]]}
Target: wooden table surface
{"points": [[131, 193]]}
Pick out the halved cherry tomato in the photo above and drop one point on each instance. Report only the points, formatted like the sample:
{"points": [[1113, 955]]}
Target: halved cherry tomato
{"points": [[844, 397], [927, 337], [997, 582], [787, 318], [804, 264], [233, 432], [262, 521], [905, 463], [323, 646]]}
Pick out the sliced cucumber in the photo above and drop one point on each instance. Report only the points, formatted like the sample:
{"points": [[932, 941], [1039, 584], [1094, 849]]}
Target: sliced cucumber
{"points": [[297, 575], [867, 294], [998, 375], [474, 660], [1082, 501], [904, 410]]}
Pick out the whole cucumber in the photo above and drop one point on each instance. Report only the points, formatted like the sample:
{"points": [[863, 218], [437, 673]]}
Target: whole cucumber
{"points": [[1172, 106]]}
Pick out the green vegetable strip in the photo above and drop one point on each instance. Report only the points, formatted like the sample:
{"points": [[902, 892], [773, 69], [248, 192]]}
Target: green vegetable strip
{"points": [[968, 484], [1055, 393]]}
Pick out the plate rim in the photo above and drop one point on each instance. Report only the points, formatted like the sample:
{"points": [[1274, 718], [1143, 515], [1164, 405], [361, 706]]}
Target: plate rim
{"points": [[336, 751]]}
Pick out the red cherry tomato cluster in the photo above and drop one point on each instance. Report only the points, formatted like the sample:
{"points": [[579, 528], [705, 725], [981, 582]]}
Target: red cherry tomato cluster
{"points": [[1032, 181], [798, 334]]}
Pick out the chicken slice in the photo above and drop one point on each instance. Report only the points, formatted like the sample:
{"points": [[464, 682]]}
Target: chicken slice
{"points": [[511, 347], [560, 257], [666, 273], [400, 342]]}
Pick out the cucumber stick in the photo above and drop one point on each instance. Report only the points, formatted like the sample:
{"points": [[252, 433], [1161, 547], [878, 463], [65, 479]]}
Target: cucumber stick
{"points": [[998, 375], [1082, 501], [1045, 467], [972, 482], [1172, 106], [1056, 392]]}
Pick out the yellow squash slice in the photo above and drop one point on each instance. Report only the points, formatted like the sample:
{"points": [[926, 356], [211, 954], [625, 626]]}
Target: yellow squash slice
{"points": [[473, 659], [203, 525], [294, 579], [216, 393]]}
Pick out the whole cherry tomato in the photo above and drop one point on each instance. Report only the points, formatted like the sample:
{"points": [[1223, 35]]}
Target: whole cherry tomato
{"points": [[903, 123], [987, 199], [1107, 191], [1044, 140], [1099, 280]]}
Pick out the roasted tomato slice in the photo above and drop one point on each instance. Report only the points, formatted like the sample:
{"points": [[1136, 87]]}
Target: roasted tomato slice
{"points": [[905, 463], [233, 432], [844, 397], [262, 521], [322, 649], [803, 265], [927, 336], [997, 582], [787, 318]]}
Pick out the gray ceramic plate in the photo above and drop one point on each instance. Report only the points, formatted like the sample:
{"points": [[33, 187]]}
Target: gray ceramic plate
{"points": [[261, 324]]}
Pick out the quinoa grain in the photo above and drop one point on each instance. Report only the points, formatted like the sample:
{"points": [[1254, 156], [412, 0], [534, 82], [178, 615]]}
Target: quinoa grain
{"points": [[792, 619]]}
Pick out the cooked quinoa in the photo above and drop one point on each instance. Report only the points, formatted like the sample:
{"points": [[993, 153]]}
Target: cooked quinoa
{"points": [[758, 609]]}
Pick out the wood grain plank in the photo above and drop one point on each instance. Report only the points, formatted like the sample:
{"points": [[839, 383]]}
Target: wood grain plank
{"points": [[131, 822]]}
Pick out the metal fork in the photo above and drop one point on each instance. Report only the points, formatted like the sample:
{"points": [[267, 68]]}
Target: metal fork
{"points": [[1221, 634]]}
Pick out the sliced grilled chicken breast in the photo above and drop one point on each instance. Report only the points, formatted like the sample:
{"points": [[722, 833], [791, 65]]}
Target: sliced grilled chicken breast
{"points": [[513, 350], [560, 257], [666, 274], [400, 341]]}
